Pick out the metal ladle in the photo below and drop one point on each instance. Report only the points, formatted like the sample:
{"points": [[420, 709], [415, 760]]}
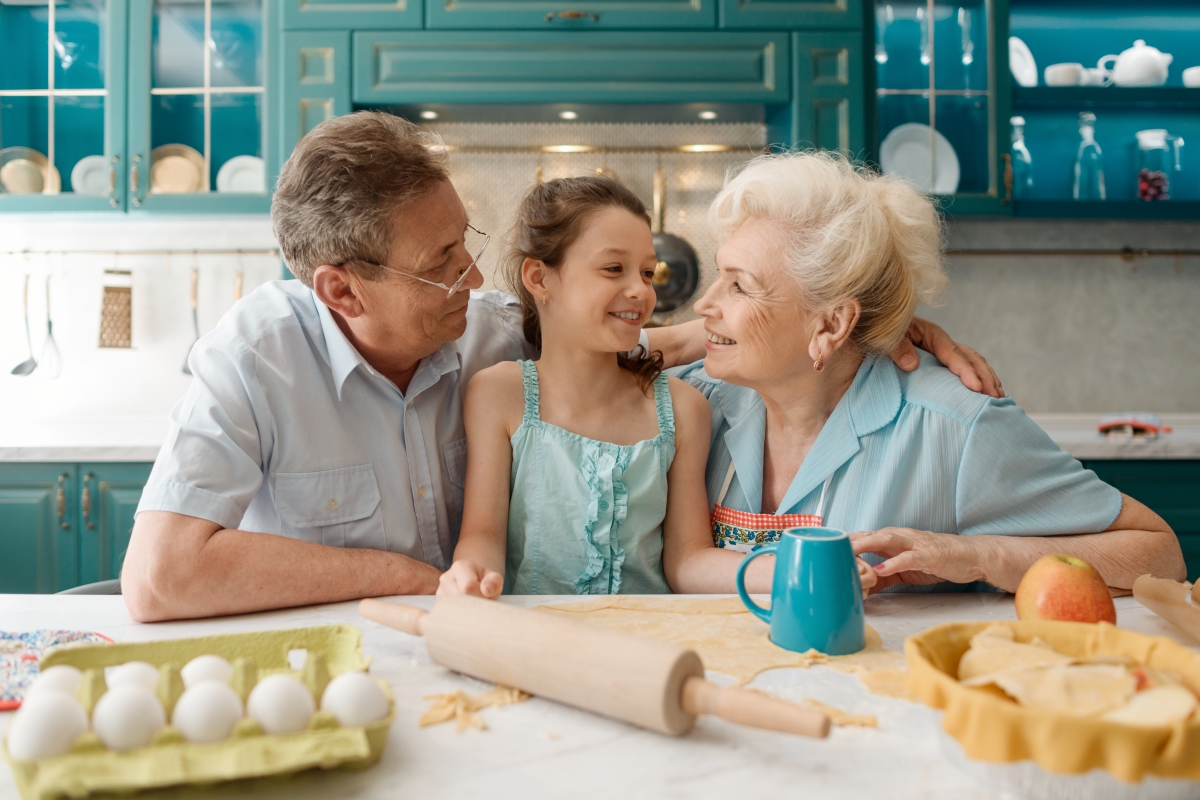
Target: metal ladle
{"points": [[27, 366]]}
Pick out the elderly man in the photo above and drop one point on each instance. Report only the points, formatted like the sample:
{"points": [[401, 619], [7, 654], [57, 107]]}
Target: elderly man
{"points": [[319, 454]]}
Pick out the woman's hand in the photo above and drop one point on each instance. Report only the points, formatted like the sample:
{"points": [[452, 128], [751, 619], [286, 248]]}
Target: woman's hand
{"points": [[970, 367], [866, 576], [919, 557], [467, 577]]}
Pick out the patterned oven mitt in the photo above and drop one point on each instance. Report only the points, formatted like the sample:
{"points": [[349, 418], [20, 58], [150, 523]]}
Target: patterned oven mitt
{"points": [[20, 654]]}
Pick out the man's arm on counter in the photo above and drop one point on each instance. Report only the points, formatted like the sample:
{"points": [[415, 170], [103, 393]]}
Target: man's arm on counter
{"points": [[181, 567], [684, 343]]}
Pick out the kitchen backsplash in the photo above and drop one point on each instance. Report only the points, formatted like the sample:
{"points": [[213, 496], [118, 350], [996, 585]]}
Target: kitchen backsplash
{"points": [[1066, 334]]}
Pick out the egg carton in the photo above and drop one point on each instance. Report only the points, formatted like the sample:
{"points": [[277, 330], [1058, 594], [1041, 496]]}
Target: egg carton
{"points": [[89, 768]]}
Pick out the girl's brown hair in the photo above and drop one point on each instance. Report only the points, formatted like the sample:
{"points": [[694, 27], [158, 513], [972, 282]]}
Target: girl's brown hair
{"points": [[549, 220]]}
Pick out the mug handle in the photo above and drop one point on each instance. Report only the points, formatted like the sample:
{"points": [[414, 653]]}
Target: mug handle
{"points": [[1100, 63], [755, 608]]}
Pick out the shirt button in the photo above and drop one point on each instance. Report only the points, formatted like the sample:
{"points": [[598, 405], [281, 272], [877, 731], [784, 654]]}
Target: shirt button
{"points": [[333, 504], [421, 492], [604, 505]]}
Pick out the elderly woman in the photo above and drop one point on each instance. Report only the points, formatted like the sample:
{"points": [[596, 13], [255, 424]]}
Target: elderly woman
{"points": [[821, 267]]}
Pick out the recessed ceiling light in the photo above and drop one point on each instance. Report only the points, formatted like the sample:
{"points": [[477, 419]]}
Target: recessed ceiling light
{"points": [[429, 115], [568, 115], [708, 115]]}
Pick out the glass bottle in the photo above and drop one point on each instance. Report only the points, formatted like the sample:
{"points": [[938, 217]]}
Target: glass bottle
{"points": [[1155, 163], [1087, 182], [1022, 162]]}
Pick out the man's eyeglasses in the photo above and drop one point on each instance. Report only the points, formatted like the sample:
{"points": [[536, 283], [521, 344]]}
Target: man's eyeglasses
{"points": [[450, 290]]}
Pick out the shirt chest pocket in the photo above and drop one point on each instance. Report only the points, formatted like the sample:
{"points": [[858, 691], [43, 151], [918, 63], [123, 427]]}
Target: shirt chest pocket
{"points": [[455, 455], [336, 507]]}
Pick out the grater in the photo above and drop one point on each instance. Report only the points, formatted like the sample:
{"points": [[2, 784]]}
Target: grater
{"points": [[116, 309]]}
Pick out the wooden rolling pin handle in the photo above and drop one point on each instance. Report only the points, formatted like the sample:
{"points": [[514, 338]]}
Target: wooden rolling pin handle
{"points": [[404, 618], [753, 709]]}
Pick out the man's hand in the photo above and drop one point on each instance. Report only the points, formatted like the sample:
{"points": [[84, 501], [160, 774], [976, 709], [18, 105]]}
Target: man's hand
{"points": [[467, 577], [970, 367], [919, 557]]}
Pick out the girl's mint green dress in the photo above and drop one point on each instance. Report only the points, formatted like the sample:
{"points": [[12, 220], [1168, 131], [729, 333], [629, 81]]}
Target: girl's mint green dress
{"points": [[585, 517]]}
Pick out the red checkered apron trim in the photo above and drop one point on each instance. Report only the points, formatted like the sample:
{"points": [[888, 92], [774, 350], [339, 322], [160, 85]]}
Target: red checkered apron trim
{"points": [[745, 531]]}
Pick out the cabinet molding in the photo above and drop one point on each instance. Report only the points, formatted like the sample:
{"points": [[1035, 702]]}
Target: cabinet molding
{"points": [[807, 14], [827, 89], [305, 15], [559, 15], [316, 83]]}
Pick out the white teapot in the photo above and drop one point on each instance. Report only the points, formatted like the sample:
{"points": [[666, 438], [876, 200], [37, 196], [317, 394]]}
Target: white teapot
{"points": [[1140, 65]]}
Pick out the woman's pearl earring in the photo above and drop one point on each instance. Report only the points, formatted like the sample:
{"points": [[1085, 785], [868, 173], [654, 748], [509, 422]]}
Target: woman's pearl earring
{"points": [[818, 366]]}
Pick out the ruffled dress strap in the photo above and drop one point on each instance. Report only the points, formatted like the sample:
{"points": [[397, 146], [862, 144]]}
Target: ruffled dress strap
{"points": [[529, 380], [664, 408]]}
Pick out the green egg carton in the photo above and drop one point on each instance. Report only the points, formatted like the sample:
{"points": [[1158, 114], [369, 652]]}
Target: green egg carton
{"points": [[89, 768]]}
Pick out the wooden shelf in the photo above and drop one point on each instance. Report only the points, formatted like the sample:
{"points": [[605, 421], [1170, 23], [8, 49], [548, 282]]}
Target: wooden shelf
{"points": [[1105, 97], [1115, 209]]}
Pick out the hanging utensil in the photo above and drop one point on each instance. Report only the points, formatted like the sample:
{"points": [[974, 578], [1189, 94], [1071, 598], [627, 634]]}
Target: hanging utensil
{"points": [[195, 318], [27, 366], [50, 359], [677, 275], [116, 309]]}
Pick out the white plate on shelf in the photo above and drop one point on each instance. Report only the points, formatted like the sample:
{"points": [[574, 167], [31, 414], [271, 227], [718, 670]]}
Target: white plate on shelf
{"points": [[905, 153], [24, 170], [90, 176], [1021, 62], [242, 175]]}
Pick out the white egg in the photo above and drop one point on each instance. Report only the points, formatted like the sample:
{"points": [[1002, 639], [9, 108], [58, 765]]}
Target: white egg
{"points": [[127, 717], [281, 704], [207, 711], [355, 699], [206, 668], [61, 678], [132, 673], [45, 726]]}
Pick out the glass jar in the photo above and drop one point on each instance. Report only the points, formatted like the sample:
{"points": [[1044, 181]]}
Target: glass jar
{"points": [[1158, 157]]}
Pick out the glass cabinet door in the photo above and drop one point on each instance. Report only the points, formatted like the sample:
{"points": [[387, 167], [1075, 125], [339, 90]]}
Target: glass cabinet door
{"points": [[62, 78], [937, 100], [198, 106]]}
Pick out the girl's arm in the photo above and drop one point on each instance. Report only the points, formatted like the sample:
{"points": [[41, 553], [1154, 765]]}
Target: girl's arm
{"points": [[693, 564], [493, 396]]}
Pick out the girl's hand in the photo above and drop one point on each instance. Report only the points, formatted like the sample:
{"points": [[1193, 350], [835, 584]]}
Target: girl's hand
{"points": [[467, 577], [866, 576]]}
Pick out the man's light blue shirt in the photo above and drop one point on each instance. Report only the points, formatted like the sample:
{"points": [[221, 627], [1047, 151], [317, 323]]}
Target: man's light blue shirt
{"points": [[911, 449], [286, 429]]}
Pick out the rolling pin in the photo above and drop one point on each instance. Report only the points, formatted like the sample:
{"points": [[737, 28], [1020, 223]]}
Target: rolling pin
{"points": [[1177, 603], [646, 682]]}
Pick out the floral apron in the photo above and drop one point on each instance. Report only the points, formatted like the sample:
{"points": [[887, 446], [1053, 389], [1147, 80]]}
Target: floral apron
{"points": [[745, 532]]}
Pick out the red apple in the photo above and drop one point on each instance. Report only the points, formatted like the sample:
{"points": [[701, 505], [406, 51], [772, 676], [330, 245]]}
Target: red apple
{"points": [[1066, 588]]}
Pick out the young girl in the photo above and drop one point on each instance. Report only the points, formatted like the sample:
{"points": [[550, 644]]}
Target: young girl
{"points": [[586, 468]]}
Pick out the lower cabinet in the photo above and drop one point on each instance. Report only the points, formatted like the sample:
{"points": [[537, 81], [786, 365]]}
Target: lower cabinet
{"points": [[1170, 488], [62, 525]]}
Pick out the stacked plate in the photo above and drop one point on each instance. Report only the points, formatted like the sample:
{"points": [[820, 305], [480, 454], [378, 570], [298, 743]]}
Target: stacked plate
{"points": [[907, 153], [177, 169], [24, 170]]}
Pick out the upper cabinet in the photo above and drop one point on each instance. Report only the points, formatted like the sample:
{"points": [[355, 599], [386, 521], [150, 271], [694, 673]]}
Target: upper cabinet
{"points": [[806, 14], [557, 16], [197, 105], [62, 105]]}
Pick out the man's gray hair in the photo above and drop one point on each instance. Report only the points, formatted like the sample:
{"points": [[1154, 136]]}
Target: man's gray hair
{"points": [[338, 194]]}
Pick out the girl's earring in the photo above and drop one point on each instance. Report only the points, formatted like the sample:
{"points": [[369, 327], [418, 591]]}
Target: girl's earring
{"points": [[544, 298], [818, 366]]}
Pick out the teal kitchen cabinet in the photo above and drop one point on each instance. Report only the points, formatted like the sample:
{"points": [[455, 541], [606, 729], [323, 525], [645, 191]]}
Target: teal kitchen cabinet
{"points": [[62, 525], [1170, 488], [108, 498], [316, 82], [198, 105], [62, 106], [802, 14], [549, 15], [39, 528], [827, 92], [308, 15], [597, 67]]}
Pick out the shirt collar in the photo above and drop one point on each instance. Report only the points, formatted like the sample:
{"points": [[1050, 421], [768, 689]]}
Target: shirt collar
{"points": [[871, 402], [344, 357]]}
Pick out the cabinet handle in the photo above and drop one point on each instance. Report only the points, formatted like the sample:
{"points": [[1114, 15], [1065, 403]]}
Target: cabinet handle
{"points": [[572, 15], [85, 502], [112, 181], [60, 502], [1008, 179], [135, 180]]}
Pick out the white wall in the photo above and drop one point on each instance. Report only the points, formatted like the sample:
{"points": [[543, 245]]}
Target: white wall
{"points": [[146, 380]]}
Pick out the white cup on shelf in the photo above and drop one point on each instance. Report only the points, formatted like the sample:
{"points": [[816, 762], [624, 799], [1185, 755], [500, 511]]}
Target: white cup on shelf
{"points": [[1067, 74], [1191, 77], [1096, 76]]}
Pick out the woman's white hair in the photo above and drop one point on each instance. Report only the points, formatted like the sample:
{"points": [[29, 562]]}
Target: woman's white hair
{"points": [[851, 232]]}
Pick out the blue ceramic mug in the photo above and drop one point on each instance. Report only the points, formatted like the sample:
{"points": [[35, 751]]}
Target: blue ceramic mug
{"points": [[816, 597]]}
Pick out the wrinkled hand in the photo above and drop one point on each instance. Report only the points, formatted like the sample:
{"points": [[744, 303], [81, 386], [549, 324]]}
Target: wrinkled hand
{"points": [[970, 367], [919, 557], [467, 577], [866, 576]]}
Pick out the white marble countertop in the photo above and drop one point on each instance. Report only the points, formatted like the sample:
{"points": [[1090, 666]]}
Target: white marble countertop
{"points": [[1077, 434], [540, 749]]}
